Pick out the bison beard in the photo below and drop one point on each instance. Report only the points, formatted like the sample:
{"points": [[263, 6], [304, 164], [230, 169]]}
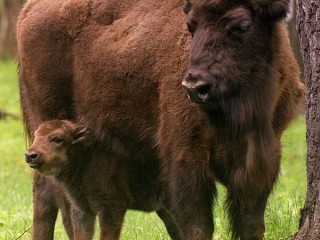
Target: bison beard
{"points": [[117, 67]]}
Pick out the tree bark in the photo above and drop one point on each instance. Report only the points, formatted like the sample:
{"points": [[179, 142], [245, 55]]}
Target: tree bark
{"points": [[293, 34], [308, 18], [9, 12]]}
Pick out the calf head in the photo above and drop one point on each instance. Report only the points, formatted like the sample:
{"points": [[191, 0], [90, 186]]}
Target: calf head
{"points": [[231, 46], [54, 143]]}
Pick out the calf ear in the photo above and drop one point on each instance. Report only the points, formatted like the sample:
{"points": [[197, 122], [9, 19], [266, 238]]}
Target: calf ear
{"points": [[187, 6], [273, 9], [81, 135]]}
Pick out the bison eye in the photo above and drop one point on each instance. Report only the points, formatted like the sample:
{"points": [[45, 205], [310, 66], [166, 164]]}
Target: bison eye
{"points": [[239, 29], [57, 140]]}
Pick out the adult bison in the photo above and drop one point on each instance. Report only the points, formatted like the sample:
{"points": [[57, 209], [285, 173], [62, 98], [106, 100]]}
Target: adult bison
{"points": [[123, 69]]}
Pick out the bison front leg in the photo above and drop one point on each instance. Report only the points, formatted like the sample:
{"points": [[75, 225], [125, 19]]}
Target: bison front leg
{"points": [[170, 223], [111, 220], [251, 184], [191, 193], [247, 218]]}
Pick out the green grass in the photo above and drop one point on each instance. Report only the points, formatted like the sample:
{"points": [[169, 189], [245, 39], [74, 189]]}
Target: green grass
{"points": [[282, 215]]}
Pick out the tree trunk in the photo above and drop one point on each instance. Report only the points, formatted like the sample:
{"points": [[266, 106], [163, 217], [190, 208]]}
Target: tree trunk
{"points": [[308, 18], [8, 17], [293, 34]]}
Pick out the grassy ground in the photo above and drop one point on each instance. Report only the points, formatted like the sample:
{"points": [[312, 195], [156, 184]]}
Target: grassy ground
{"points": [[282, 213]]}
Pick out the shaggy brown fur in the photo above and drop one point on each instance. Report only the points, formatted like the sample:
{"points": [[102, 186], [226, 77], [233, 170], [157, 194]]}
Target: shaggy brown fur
{"points": [[95, 182], [120, 64]]}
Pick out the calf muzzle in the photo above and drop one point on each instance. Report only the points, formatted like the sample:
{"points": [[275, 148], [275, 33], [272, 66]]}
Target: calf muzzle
{"points": [[33, 159]]}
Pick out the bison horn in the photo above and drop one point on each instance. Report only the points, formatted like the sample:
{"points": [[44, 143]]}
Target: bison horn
{"points": [[263, 2], [273, 9]]}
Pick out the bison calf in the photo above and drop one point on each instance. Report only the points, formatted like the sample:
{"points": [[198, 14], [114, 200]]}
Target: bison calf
{"points": [[94, 182]]}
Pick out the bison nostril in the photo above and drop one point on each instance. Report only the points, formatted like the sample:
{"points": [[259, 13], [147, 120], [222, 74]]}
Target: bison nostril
{"points": [[31, 156], [203, 91], [198, 92], [200, 85], [34, 156]]}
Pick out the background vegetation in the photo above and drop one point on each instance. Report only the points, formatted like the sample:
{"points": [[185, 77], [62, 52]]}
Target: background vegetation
{"points": [[282, 214]]}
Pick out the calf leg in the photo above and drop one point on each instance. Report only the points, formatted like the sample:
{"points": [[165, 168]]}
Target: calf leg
{"points": [[47, 199], [65, 207], [83, 224], [45, 209], [170, 224]]}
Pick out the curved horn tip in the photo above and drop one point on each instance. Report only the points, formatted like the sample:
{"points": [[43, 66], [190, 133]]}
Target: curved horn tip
{"points": [[263, 2]]}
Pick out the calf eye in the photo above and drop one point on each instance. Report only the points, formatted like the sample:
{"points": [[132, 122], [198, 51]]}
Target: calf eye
{"points": [[191, 26], [57, 140]]}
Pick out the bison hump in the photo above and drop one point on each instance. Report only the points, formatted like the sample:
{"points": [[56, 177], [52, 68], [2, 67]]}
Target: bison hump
{"points": [[74, 14]]}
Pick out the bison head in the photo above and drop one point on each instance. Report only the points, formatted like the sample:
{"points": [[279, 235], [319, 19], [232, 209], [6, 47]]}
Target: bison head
{"points": [[231, 49], [54, 144]]}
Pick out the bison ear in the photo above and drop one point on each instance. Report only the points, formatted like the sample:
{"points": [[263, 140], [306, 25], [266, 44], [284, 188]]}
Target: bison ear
{"points": [[81, 135], [273, 9]]}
